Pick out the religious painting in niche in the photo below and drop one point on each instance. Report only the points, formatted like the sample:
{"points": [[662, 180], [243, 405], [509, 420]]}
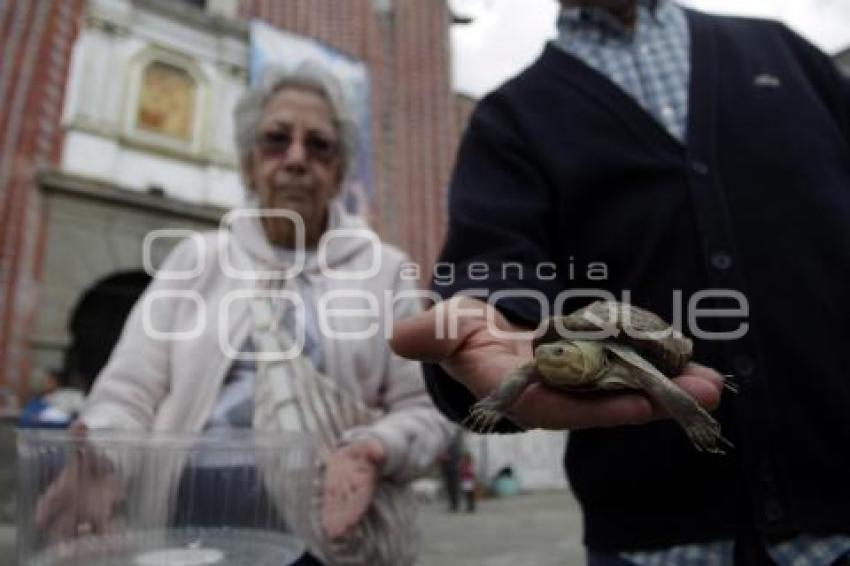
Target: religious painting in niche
{"points": [[167, 101]]}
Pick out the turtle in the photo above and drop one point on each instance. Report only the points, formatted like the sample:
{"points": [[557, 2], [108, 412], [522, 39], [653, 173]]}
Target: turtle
{"points": [[607, 345]]}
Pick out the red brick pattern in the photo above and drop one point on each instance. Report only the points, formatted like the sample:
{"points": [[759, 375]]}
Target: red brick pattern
{"points": [[36, 38]]}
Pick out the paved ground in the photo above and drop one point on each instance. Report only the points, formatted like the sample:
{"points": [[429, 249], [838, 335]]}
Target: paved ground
{"points": [[7, 490], [7, 545], [541, 529]]}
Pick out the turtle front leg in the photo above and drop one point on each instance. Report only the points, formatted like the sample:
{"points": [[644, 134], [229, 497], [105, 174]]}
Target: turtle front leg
{"points": [[489, 410], [698, 424]]}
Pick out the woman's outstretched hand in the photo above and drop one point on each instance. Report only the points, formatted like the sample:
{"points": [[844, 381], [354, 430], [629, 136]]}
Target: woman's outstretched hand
{"points": [[351, 474], [83, 498]]}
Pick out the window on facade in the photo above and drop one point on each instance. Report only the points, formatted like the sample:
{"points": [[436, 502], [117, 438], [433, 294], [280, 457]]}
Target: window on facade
{"points": [[167, 101]]}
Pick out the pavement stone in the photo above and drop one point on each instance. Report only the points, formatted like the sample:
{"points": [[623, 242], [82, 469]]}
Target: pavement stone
{"points": [[8, 471], [538, 529], [7, 545], [8, 474]]}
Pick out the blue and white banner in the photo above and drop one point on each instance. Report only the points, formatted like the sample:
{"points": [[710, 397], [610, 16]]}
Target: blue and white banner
{"points": [[270, 45]]}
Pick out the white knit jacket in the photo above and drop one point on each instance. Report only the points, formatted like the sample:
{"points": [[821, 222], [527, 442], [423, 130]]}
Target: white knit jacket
{"points": [[153, 382]]}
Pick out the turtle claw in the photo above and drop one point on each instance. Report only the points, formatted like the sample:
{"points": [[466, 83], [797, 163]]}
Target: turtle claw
{"points": [[729, 386], [705, 435], [488, 411], [483, 416], [482, 423]]}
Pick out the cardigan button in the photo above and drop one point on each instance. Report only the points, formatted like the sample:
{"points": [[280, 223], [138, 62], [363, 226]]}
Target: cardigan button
{"points": [[699, 167], [766, 474], [773, 510], [721, 261]]}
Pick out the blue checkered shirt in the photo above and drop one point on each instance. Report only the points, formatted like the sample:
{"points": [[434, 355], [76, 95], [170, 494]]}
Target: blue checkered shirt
{"points": [[651, 63]]}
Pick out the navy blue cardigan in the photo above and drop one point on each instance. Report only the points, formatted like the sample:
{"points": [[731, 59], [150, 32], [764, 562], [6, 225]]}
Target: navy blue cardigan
{"points": [[558, 165]]}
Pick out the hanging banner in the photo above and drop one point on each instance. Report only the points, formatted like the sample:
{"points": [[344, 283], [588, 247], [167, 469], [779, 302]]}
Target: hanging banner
{"points": [[272, 46]]}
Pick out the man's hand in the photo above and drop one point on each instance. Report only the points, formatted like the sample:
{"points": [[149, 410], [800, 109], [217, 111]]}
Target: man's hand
{"points": [[350, 478], [83, 498], [479, 358]]}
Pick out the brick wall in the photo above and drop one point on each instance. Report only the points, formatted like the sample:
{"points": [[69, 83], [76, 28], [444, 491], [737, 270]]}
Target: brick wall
{"points": [[36, 38]]}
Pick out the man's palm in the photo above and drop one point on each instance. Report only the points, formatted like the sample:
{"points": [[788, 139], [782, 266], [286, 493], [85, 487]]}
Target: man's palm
{"points": [[485, 348]]}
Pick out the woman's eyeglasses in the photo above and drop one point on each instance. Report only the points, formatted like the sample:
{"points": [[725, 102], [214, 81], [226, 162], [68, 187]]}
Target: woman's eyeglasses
{"points": [[318, 147]]}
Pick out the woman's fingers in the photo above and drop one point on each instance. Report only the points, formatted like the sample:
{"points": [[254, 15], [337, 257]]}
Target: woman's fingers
{"points": [[82, 500], [348, 490], [59, 499]]}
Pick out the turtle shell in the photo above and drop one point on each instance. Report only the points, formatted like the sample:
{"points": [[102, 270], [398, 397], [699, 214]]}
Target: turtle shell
{"points": [[650, 336]]}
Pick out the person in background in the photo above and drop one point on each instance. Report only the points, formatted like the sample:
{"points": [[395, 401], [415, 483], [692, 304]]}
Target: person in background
{"points": [[450, 470], [56, 405], [685, 163], [468, 483], [505, 483]]}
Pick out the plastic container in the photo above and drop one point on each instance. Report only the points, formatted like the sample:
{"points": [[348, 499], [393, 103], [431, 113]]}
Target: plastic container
{"points": [[141, 499]]}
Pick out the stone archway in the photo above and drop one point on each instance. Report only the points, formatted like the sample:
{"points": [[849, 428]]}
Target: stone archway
{"points": [[96, 323], [94, 242]]}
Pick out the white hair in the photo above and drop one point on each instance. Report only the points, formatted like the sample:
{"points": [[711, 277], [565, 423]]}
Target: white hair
{"points": [[310, 76]]}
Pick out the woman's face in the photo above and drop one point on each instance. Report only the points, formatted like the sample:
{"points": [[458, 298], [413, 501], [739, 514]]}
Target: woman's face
{"points": [[296, 163]]}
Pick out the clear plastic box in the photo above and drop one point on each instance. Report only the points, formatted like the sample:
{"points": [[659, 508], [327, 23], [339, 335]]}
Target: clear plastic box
{"points": [[144, 499]]}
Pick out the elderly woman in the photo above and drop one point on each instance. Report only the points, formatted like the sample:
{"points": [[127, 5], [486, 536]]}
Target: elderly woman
{"points": [[295, 140]]}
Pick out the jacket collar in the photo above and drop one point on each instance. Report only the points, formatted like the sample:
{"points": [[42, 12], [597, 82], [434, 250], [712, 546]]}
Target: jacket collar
{"points": [[352, 236], [573, 19]]}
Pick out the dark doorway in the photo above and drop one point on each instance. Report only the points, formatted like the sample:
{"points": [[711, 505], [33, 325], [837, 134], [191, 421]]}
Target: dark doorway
{"points": [[96, 324]]}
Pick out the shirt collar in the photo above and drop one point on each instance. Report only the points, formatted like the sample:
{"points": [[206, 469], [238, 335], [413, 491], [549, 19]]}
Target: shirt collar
{"points": [[602, 21]]}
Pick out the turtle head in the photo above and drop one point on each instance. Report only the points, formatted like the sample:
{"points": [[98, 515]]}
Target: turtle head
{"points": [[570, 363]]}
